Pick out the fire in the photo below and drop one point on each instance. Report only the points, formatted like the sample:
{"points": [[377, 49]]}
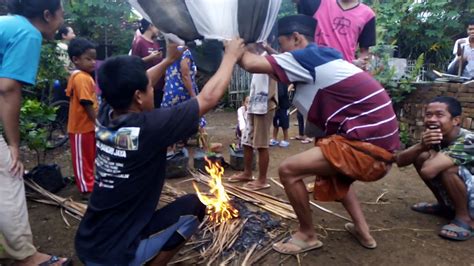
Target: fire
{"points": [[218, 207]]}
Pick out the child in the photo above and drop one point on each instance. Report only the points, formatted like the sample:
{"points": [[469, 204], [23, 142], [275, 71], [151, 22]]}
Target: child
{"points": [[242, 120], [281, 118], [121, 225], [82, 111]]}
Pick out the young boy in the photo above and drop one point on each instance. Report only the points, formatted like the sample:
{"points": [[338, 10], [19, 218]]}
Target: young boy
{"points": [[281, 118], [82, 112], [121, 225]]}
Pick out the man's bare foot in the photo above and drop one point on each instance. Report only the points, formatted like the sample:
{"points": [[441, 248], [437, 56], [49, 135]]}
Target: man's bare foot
{"points": [[38, 258], [364, 238], [256, 185], [240, 177], [297, 243]]}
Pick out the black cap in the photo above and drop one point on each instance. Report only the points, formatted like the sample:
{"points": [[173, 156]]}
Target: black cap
{"points": [[302, 24]]}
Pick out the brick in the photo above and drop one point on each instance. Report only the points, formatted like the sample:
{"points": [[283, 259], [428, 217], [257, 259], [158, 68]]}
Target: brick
{"points": [[466, 123]]}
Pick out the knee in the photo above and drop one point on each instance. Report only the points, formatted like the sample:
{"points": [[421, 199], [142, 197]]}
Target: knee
{"points": [[198, 209], [427, 173], [285, 172], [451, 172]]}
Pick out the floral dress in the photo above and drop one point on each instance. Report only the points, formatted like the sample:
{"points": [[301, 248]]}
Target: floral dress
{"points": [[175, 91]]}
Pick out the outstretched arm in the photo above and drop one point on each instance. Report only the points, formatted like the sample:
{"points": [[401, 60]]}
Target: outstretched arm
{"points": [[217, 85], [256, 64]]}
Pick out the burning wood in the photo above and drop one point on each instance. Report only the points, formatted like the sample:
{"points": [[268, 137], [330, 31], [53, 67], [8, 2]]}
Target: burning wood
{"points": [[218, 207]]}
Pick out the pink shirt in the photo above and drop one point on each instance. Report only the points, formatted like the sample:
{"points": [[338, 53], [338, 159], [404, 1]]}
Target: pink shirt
{"points": [[342, 29]]}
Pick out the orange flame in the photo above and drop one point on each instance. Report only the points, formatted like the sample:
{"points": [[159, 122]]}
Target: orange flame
{"points": [[218, 207]]}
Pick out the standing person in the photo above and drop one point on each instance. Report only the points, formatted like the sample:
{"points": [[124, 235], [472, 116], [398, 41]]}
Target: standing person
{"points": [[64, 35], [122, 225], [262, 105], [345, 25], [301, 133], [242, 119], [353, 113], [444, 159], [180, 86], [82, 113], [281, 118], [146, 47], [21, 34]]}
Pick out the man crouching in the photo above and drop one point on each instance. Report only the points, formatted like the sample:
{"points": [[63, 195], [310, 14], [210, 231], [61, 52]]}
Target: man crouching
{"points": [[444, 159], [121, 225]]}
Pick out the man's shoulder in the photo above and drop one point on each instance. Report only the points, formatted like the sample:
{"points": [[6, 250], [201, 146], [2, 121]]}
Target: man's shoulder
{"points": [[80, 76]]}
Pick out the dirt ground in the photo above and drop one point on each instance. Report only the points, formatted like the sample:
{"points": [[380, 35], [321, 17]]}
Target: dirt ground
{"points": [[404, 237]]}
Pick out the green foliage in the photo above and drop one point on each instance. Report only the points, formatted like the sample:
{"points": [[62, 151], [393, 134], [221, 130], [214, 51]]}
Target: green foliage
{"points": [[287, 8], [422, 27], [110, 23], [34, 120], [398, 89], [405, 135], [51, 68]]}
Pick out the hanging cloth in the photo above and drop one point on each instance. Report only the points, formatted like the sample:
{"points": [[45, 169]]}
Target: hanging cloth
{"points": [[251, 18], [271, 17], [170, 16], [214, 19]]}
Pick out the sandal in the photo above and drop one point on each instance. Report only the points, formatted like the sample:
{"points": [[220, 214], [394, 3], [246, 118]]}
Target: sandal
{"points": [[302, 245], [297, 138], [55, 259], [307, 140], [350, 227], [252, 186], [234, 179], [462, 230], [433, 209]]}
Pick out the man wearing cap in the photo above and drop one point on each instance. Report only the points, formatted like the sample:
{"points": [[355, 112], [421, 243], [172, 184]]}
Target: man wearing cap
{"points": [[353, 115]]}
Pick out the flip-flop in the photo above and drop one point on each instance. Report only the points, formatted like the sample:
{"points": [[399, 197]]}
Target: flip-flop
{"points": [[307, 140], [297, 138], [462, 230], [304, 246], [433, 209], [234, 179], [256, 188], [350, 227], [55, 259]]}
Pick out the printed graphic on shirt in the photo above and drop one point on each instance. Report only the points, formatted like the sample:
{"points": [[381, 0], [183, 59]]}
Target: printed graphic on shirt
{"points": [[125, 138]]}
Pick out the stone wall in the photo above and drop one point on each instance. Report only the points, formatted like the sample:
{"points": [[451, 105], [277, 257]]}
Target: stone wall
{"points": [[413, 108]]}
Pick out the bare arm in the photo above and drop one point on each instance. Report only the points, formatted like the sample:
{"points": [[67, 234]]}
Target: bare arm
{"points": [[10, 103], [429, 138], [217, 85], [90, 111], [151, 57], [186, 77], [156, 72], [256, 64]]}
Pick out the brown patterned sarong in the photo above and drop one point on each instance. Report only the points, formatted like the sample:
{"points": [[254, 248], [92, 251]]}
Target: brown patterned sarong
{"points": [[353, 160]]}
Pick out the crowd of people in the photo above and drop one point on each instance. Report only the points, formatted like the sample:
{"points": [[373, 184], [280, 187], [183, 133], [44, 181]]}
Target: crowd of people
{"points": [[151, 101]]}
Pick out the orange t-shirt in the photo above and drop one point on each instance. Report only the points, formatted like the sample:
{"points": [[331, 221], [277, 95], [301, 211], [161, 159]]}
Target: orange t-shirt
{"points": [[80, 87]]}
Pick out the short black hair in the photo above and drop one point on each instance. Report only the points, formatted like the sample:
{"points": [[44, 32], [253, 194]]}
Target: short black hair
{"points": [[454, 106], [63, 30], [302, 24], [78, 46], [144, 25], [470, 22], [32, 8], [119, 78]]}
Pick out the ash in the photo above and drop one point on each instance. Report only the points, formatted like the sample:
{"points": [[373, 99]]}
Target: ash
{"points": [[256, 229]]}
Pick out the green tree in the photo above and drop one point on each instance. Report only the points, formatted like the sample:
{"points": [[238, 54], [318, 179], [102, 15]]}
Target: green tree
{"points": [[110, 23]]}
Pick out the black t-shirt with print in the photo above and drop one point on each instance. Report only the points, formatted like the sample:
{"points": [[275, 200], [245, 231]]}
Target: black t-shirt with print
{"points": [[130, 172]]}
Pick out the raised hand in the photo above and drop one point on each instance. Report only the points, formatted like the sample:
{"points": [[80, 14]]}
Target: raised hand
{"points": [[235, 48]]}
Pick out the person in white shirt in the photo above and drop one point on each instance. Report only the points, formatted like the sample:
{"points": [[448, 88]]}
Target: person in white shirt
{"points": [[464, 52]]}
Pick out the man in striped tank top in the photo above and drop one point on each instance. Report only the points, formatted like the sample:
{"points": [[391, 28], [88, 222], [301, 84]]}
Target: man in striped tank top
{"points": [[356, 124]]}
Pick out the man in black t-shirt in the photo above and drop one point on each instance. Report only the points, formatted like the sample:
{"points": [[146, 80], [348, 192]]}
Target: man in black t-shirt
{"points": [[121, 225]]}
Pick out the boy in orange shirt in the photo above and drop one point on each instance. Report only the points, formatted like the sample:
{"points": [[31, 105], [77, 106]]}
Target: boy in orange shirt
{"points": [[82, 113]]}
